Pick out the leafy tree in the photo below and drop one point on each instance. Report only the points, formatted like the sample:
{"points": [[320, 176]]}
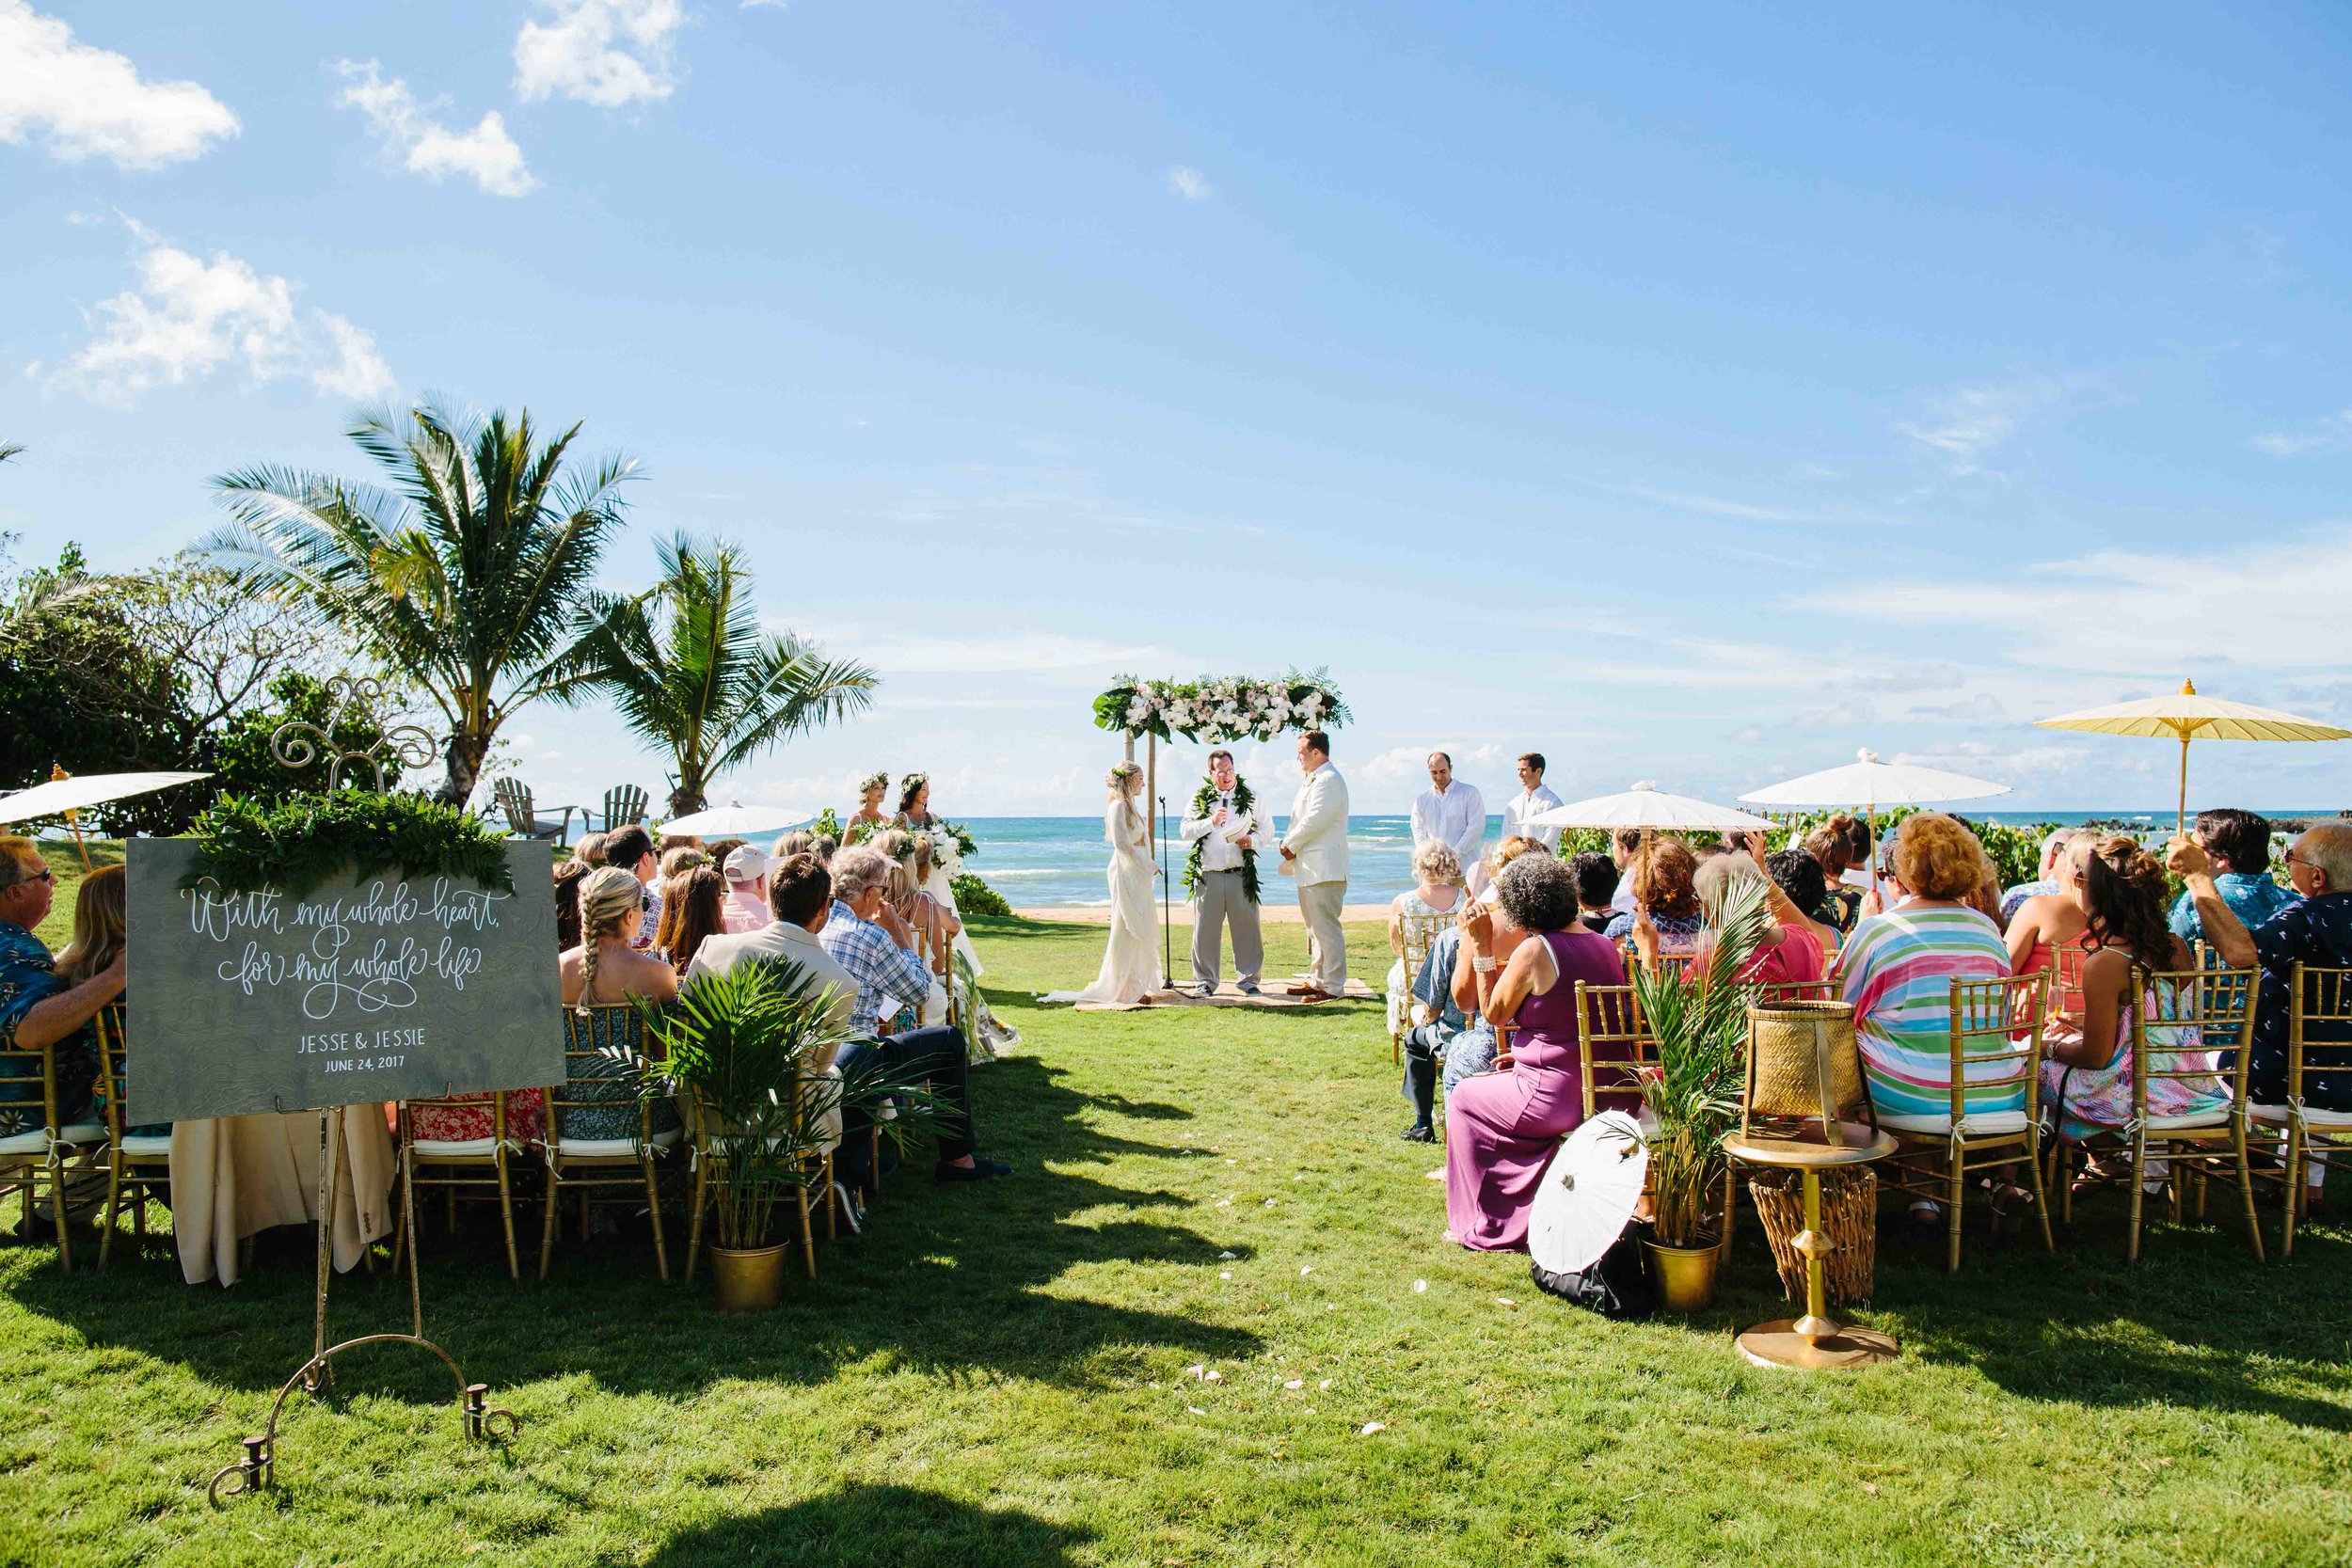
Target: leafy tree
{"points": [[465, 574], [690, 669]]}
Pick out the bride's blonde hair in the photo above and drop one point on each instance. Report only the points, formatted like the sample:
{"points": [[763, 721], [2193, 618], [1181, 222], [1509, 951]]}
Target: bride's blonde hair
{"points": [[1118, 779]]}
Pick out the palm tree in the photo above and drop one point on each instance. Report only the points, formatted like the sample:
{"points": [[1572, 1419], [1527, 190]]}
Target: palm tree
{"points": [[690, 669], [466, 573]]}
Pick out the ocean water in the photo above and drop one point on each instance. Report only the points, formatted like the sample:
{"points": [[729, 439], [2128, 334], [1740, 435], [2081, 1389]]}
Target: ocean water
{"points": [[1058, 860]]}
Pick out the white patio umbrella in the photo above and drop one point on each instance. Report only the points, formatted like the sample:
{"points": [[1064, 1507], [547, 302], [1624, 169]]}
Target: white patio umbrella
{"points": [[1871, 783], [1587, 1193], [1645, 806], [67, 796], [735, 820]]}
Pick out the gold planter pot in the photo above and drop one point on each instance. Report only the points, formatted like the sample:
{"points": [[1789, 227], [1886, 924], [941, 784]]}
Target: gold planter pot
{"points": [[749, 1280], [1684, 1276]]}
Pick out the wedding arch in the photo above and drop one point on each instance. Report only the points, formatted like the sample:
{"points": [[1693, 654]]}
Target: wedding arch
{"points": [[1213, 709]]}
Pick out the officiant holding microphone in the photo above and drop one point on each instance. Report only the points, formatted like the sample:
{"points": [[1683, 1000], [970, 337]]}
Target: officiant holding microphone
{"points": [[1226, 826]]}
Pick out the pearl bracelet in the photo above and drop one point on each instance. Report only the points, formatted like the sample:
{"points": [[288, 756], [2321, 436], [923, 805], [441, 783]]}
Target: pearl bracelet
{"points": [[1482, 966]]}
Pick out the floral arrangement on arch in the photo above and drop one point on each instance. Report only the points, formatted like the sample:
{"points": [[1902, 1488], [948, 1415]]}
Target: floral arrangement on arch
{"points": [[1213, 707]]}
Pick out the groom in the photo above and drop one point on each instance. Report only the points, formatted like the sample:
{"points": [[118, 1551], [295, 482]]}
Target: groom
{"points": [[1315, 852], [1226, 826]]}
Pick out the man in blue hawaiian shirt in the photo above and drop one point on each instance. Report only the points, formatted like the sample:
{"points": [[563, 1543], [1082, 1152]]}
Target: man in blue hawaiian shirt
{"points": [[38, 1009], [2238, 845]]}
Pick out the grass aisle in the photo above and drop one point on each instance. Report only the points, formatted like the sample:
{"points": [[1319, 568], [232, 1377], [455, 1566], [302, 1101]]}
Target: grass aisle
{"points": [[1005, 1376]]}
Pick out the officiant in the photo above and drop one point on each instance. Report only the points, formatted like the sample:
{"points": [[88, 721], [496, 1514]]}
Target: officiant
{"points": [[1226, 826]]}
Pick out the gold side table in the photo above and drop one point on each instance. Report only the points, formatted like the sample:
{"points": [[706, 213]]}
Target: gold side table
{"points": [[1816, 1341]]}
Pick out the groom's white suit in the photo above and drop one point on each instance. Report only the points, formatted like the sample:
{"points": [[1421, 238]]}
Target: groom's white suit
{"points": [[1317, 842]]}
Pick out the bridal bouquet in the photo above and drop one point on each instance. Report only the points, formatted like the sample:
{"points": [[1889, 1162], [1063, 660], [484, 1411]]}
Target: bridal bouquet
{"points": [[1216, 708]]}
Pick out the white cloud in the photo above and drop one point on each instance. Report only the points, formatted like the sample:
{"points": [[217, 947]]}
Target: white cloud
{"points": [[1188, 183], [1012, 653], [187, 317], [485, 154], [2332, 434], [608, 53], [86, 103], [1969, 424]]}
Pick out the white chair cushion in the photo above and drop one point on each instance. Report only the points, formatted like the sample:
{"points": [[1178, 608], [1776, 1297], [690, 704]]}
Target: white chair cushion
{"points": [[591, 1148], [2313, 1117], [2217, 1119], [83, 1133], [1983, 1124], [454, 1148], [34, 1142], [148, 1144]]}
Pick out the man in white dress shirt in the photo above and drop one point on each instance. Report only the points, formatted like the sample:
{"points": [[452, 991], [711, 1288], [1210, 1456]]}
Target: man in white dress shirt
{"points": [[1315, 852], [1228, 824], [1450, 813], [1534, 796]]}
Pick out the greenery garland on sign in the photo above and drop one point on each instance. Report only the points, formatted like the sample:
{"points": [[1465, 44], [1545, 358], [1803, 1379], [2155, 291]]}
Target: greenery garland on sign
{"points": [[1204, 804], [300, 844], [1220, 707]]}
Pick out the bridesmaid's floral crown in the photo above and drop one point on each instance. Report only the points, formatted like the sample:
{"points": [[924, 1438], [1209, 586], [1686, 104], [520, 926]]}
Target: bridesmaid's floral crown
{"points": [[873, 780]]}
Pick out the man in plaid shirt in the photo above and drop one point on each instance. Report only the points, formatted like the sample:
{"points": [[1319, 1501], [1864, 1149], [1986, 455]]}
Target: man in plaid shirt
{"points": [[866, 937]]}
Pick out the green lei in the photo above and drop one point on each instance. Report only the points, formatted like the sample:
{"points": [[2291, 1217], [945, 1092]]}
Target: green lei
{"points": [[1204, 802]]}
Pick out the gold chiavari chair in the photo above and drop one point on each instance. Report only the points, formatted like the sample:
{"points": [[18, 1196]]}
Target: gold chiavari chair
{"points": [[1995, 1054], [136, 1159], [600, 1133], [462, 1167], [35, 1143], [2319, 1001], [1613, 1044], [2198, 1014], [1666, 963], [1420, 933]]}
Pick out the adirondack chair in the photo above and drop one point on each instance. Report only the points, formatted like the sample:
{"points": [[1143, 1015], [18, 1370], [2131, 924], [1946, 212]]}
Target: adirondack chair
{"points": [[523, 820], [624, 804]]}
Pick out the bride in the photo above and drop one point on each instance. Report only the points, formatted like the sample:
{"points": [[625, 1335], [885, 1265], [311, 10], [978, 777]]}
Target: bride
{"points": [[1130, 971]]}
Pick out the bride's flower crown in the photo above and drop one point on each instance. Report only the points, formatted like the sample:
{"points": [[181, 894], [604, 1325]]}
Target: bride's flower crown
{"points": [[1120, 774], [873, 780]]}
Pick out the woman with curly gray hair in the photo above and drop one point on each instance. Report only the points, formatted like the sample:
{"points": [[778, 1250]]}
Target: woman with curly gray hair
{"points": [[1520, 966]]}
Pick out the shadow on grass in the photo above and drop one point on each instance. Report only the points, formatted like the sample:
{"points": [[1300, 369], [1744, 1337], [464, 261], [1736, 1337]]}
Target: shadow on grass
{"points": [[885, 1527], [950, 1280]]}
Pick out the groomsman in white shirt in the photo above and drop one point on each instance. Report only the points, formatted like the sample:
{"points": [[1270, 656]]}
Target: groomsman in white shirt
{"points": [[1229, 823], [1451, 812], [1534, 796]]}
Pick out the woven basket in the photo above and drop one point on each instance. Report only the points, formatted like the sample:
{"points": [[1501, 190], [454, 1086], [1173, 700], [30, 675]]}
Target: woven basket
{"points": [[1789, 1044], [1848, 1218]]}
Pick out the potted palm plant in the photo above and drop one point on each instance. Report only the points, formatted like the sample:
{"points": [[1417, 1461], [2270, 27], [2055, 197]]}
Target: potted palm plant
{"points": [[1698, 1016], [748, 1051]]}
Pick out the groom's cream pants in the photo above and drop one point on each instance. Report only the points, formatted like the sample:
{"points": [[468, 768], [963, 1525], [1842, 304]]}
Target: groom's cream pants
{"points": [[1320, 903]]}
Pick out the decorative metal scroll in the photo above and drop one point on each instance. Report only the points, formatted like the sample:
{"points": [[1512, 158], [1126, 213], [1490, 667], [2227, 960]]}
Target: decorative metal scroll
{"points": [[354, 698]]}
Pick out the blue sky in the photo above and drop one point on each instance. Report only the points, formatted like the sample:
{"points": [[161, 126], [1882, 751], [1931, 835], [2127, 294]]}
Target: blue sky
{"points": [[1695, 394]]}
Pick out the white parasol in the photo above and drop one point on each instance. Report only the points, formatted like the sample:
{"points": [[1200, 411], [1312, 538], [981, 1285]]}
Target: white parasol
{"points": [[1587, 1193], [1871, 783], [735, 820], [59, 796], [1645, 806]]}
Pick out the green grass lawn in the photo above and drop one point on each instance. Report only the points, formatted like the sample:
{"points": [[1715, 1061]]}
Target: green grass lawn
{"points": [[1004, 1375]]}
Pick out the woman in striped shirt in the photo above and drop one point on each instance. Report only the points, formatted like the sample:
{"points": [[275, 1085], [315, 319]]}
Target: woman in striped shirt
{"points": [[1898, 968]]}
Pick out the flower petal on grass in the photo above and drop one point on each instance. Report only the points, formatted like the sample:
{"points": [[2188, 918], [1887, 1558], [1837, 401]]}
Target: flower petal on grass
{"points": [[1504, 1301], [1301, 1382], [1306, 1269], [1194, 1410], [1225, 1273], [1227, 1257], [1419, 1287], [1324, 1384], [1371, 1426]]}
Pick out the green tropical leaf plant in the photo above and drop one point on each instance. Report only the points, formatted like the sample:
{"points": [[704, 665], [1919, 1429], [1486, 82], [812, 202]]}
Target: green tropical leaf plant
{"points": [[691, 669], [464, 570]]}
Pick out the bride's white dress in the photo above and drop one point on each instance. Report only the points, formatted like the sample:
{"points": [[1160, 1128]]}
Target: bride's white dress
{"points": [[1131, 963]]}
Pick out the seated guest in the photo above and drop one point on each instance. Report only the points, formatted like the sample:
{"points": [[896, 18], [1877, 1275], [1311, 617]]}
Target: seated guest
{"points": [[2087, 1075], [2237, 845], [39, 1006], [1830, 848], [1435, 891], [631, 849], [2050, 931], [680, 857], [799, 896], [1789, 950], [2049, 881], [1502, 1127], [718, 849], [1799, 874], [677, 840], [607, 967], [1596, 881], [746, 871], [1441, 1038], [1986, 899], [2316, 931], [1897, 972], [100, 924], [1663, 895], [694, 909], [1624, 844], [589, 851], [568, 874], [868, 938]]}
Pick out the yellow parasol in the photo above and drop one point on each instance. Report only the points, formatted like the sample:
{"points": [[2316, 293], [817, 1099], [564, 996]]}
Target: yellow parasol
{"points": [[2187, 717]]}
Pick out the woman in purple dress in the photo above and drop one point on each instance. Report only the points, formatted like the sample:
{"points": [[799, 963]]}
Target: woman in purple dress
{"points": [[1502, 1126]]}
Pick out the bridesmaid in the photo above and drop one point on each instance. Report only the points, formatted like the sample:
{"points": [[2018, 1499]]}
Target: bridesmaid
{"points": [[869, 815], [1502, 1126]]}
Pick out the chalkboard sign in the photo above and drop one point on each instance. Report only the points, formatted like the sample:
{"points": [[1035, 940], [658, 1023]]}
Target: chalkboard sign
{"points": [[374, 989]]}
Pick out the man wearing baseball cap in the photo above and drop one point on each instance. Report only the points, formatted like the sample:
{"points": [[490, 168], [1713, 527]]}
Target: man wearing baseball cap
{"points": [[746, 908]]}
